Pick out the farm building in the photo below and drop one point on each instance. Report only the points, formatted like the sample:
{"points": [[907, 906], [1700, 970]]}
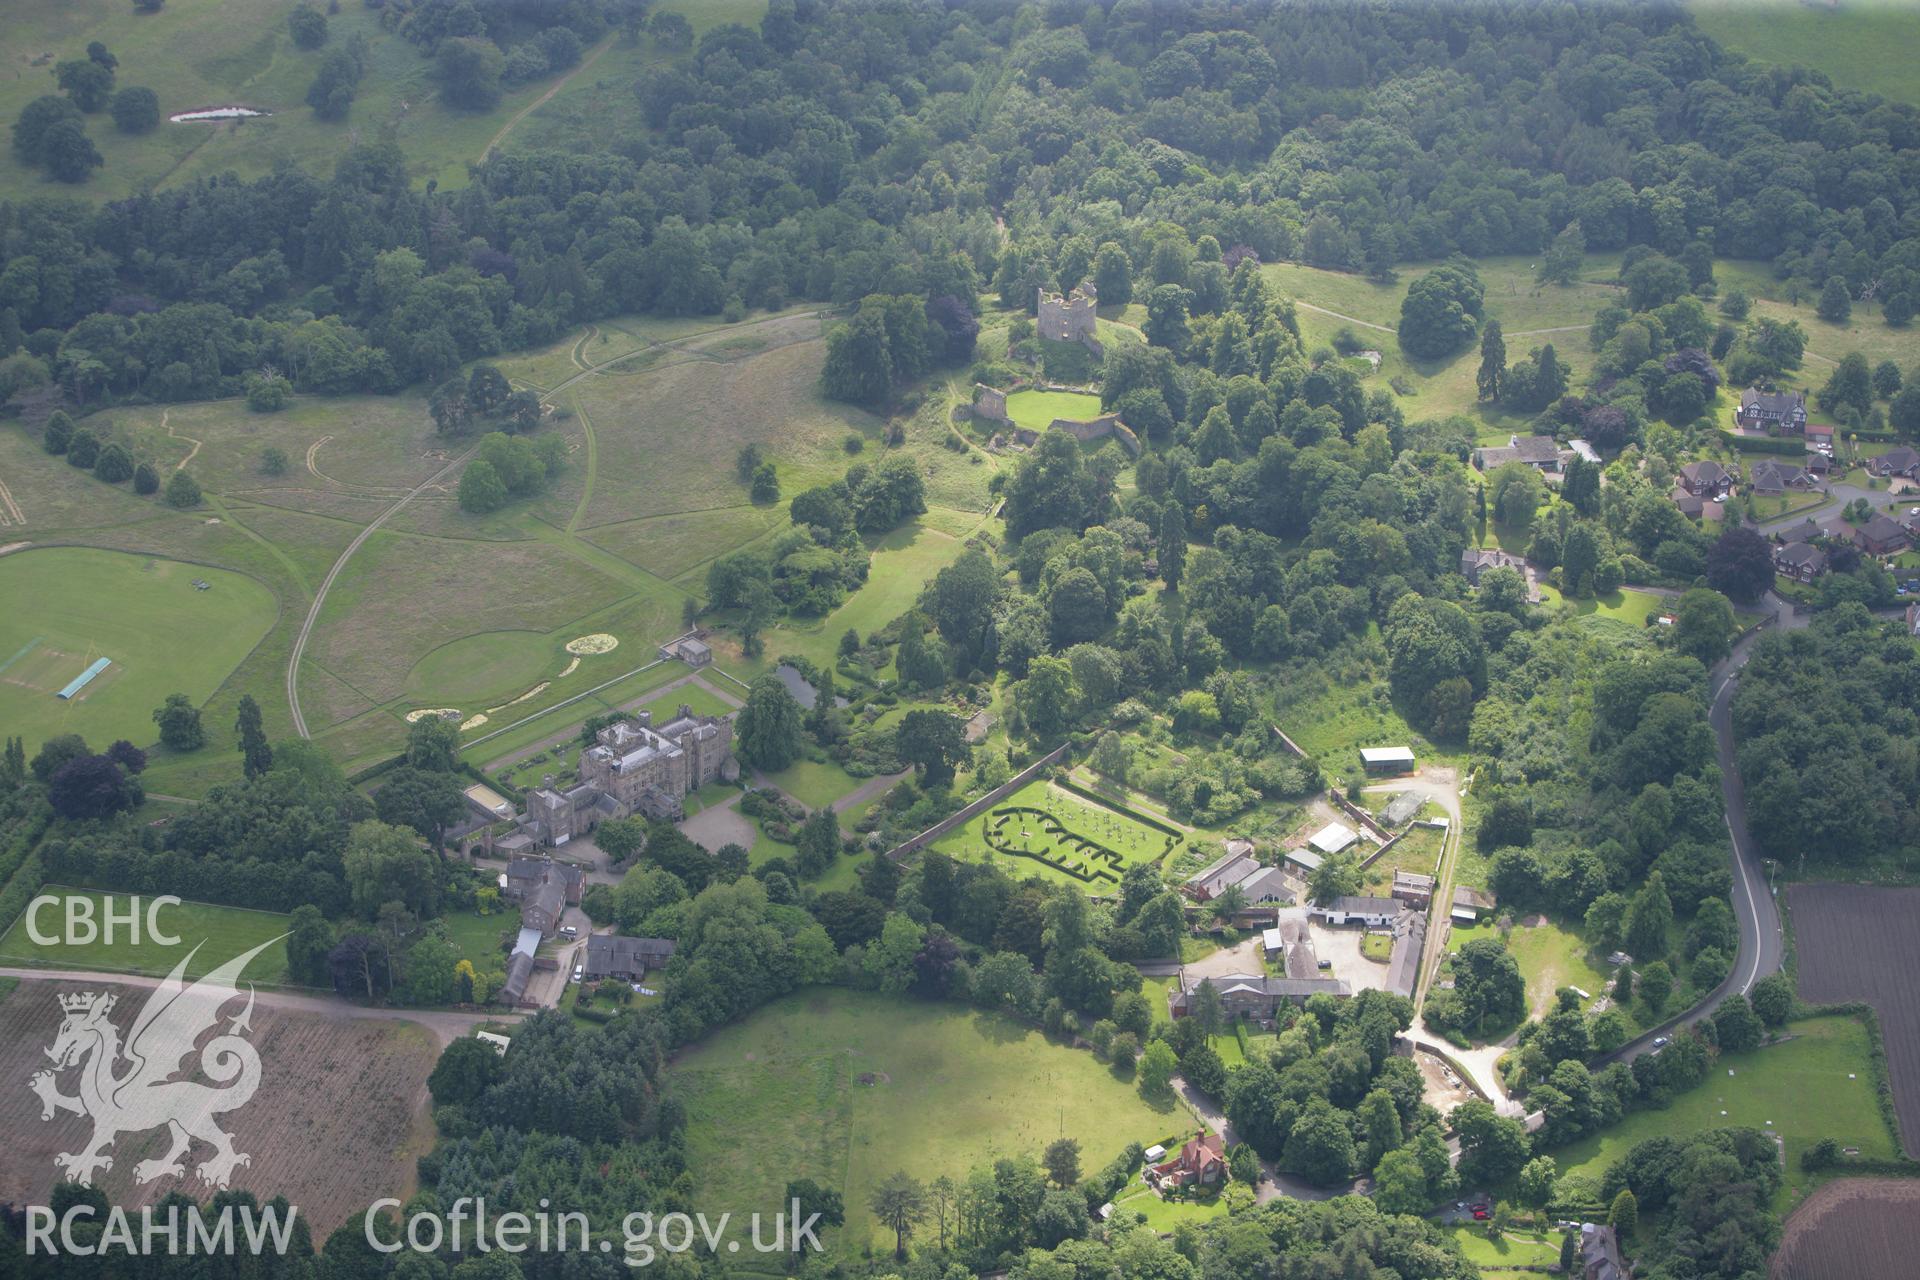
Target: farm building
{"points": [[1306, 860], [1400, 809], [1332, 838], [1238, 868], [1403, 964], [624, 959], [1373, 912], [1387, 759], [1469, 904], [1254, 996], [1413, 889]]}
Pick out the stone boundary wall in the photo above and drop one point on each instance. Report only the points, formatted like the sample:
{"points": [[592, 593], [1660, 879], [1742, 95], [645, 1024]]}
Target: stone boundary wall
{"points": [[966, 814]]}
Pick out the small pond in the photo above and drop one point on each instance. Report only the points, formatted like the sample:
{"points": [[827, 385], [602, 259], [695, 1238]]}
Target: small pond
{"points": [[801, 688]]}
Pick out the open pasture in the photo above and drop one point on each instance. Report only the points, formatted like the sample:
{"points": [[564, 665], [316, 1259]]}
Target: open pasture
{"points": [[1046, 830], [846, 1088], [163, 635], [340, 1116], [1862, 942], [1859, 44], [1816, 1085]]}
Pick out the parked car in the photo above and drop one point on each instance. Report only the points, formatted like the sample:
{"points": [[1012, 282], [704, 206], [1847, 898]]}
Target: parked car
{"points": [[579, 972], [569, 931], [1479, 1213], [1660, 1042]]}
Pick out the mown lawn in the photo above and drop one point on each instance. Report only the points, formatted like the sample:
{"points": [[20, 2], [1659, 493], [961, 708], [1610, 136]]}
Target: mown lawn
{"points": [[1514, 1249], [846, 1088], [813, 782], [1036, 410], [219, 933], [1816, 1085]]}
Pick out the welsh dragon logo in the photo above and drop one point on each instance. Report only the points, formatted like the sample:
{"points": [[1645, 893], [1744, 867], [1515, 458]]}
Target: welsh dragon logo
{"points": [[132, 1087]]}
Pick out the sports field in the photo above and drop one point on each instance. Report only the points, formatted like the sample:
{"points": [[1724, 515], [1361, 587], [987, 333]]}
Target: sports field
{"points": [[1036, 409], [220, 933], [1045, 830], [71, 605], [1816, 1085], [846, 1088]]}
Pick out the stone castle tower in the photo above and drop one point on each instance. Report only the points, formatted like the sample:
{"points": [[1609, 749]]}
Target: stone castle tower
{"points": [[1070, 319]]}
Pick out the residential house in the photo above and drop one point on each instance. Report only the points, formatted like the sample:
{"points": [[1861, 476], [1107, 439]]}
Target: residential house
{"points": [[1388, 760], [1819, 465], [544, 889], [1707, 479], [1883, 536], [1413, 889], [1697, 508], [1898, 461], [1770, 475], [1600, 1254], [1541, 452], [1202, 1162], [1475, 561], [1372, 912], [1801, 561], [1772, 411], [624, 959], [1255, 997]]}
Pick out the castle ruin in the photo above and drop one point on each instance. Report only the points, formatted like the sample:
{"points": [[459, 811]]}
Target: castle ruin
{"points": [[1070, 319]]}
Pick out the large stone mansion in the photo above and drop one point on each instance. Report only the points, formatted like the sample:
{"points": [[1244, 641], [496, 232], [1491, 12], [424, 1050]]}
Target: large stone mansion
{"points": [[635, 767]]}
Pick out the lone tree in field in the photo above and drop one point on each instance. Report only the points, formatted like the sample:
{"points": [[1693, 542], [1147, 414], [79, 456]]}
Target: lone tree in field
{"points": [[768, 731], [1062, 1161], [179, 722], [256, 757], [900, 1203]]}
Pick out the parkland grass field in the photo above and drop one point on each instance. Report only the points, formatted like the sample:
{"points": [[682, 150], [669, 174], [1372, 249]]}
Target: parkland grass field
{"points": [[208, 53], [220, 933], [161, 633], [846, 1088]]}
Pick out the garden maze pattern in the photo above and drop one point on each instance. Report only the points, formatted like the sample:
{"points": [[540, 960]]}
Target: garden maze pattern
{"points": [[1080, 854]]}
